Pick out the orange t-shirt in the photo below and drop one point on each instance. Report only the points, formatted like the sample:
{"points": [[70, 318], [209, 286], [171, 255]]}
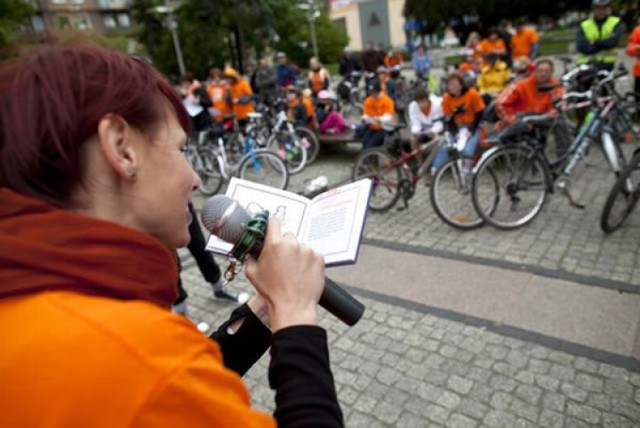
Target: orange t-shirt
{"points": [[238, 90], [466, 66], [217, 92], [524, 97], [470, 101], [523, 41], [317, 79], [378, 107], [487, 46]]}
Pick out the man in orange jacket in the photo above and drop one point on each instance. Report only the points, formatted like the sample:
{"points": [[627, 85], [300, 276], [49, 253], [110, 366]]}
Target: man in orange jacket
{"points": [[377, 109], [241, 95]]}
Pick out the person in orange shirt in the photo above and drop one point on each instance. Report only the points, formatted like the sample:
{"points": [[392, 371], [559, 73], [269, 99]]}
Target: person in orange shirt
{"points": [[468, 107], [377, 109], [493, 43], [525, 97], [241, 95], [633, 50], [309, 106], [88, 269], [218, 90], [525, 42], [318, 76], [472, 47], [394, 61]]}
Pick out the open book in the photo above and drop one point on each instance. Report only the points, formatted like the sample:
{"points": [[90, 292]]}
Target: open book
{"points": [[331, 223]]}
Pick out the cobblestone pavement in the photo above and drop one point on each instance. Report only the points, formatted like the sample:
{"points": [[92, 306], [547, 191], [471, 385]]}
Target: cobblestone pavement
{"points": [[406, 367]]}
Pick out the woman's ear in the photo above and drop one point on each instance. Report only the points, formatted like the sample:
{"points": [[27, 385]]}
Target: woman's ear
{"points": [[115, 137]]}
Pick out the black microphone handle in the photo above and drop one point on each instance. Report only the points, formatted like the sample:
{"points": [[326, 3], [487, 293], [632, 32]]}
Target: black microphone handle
{"points": [[335, 299]]}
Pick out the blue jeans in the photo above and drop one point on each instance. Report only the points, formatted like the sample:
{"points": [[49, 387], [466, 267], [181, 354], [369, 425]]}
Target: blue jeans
{"points": [[469, 150], [373, 138]]}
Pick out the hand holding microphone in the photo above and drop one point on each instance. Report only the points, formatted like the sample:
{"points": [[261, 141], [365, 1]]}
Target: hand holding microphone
{"points": [[288, 274]]}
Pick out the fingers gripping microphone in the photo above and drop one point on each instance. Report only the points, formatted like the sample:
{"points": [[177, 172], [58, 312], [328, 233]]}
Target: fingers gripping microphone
{"points": [[228, 220]]}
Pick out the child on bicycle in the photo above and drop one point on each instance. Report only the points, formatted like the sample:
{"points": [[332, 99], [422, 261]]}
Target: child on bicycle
{"points": [[468, 107]]}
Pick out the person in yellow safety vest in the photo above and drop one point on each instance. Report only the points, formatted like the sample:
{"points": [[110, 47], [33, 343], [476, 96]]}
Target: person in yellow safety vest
{"points": [[598, 36]]}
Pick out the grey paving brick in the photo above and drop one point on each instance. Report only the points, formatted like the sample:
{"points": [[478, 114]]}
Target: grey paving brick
{"points": [[584, 413], [589, 383], [459, 384], [551, 419], [499, 419], [460, 421]]}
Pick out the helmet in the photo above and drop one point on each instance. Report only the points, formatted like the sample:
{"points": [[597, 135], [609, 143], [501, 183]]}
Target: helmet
{"points": [[281, 55], [600, 2], [230, 72]]}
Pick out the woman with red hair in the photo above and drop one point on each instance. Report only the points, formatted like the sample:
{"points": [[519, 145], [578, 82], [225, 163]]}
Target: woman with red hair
{"points": [[94, 189]]}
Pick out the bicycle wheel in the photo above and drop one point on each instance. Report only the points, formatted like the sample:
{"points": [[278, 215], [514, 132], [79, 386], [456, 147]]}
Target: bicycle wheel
{"points": [[290, 149], [622, 197], [450, 195], [509, 188], [205, 163], [378, 165], [310, 142], [264, 167]]}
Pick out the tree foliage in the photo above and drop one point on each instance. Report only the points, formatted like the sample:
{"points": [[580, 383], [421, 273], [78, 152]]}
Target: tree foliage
{"points": [[13, 15], [489, 12], [210, 32]]}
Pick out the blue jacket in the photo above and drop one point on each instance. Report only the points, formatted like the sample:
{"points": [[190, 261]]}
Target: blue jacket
{"points": [[285, 75]]}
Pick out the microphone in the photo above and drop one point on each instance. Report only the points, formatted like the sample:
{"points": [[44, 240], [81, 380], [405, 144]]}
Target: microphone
{"points": [[228, 220]]}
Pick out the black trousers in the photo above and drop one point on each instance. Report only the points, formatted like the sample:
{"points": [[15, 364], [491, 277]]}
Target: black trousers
{"points": [[205, 261]]}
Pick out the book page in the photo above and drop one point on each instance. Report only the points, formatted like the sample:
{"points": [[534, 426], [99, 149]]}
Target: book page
{"points": [[287, 207], [336, 221]]}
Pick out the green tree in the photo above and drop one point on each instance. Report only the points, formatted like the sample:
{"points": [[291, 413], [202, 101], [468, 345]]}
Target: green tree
{"points": [[211, 31], [13, 15]]}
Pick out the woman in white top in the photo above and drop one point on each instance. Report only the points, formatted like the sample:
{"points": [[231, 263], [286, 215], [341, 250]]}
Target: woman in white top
{"points": [[422, 111]]}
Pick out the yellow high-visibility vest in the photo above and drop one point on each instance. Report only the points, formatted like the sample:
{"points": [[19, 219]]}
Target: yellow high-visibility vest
{"points": [[593, 34]]}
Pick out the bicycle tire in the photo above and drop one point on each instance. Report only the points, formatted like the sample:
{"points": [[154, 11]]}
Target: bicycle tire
{"points": [[264, 167], [450, 196], [493, 183], [625, 191], [311, 143], [378, 165], [205, 163], [289, 148]]}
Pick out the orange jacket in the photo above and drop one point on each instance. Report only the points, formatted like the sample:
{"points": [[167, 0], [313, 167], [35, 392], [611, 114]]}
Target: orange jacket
{"points": [[633, 48], [88, 339], [392, 61], [238, 90], [524, 97], [308, 105], [218, 93], [378, 107], [487, 46], [523, 41], [470, 101]]}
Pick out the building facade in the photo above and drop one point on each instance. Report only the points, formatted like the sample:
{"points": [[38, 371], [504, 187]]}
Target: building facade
{"points": [[98, 16], [377, 21]]}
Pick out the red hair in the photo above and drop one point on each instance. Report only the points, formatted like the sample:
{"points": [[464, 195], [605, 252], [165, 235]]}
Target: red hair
{"points": [[51, 103]]}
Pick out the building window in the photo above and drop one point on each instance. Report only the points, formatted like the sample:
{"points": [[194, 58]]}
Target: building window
{"points": [[124, 20], [64, 22], [37, 24], [83, 22], [109, 21], [58, 1]]}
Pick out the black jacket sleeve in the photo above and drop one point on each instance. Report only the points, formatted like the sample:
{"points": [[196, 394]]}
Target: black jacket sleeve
{"points": [[205, 101], [612, 41], [299, 372], [241, 350]]}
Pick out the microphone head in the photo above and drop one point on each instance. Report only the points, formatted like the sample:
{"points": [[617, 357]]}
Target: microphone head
{"points": [[225, 218]]}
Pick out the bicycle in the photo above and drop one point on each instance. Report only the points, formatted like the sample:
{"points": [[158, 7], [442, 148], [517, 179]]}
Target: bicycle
{"points": [[214, 160], [524, 173], [623, 196]]}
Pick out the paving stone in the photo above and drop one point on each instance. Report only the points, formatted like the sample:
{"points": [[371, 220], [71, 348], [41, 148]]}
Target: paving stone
{"points": [[589, 383], [554, 401], [460, 421], [529, 394], [459, 384], [387, 413], [547, 382], [563, 373], [501, 401], [437, 413], [584, 413], [524, 410], [551, 419], [473, 409], [449, 400], [499, 419]]}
